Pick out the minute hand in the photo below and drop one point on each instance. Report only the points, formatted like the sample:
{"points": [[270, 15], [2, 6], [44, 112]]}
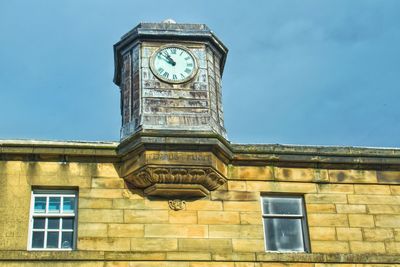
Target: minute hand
{"points": [[170, 60]]}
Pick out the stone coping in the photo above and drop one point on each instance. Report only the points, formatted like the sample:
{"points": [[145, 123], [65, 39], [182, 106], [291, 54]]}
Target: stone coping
{"points": [[187, 141], [22, 255]]}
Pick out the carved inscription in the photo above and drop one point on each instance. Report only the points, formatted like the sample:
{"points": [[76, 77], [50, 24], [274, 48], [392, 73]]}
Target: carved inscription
{"points": [[180, 157]]}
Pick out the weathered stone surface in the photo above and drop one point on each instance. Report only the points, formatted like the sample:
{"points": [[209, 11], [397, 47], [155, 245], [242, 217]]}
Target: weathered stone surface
{"points": [[145, 216], [154, 244], [327, 220], [218, 217], [322, 233], [330, 247], [346, 234], [177, 231]]}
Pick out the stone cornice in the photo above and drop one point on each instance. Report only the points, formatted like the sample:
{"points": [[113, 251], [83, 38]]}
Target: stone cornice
{"points": [[229, 153]]}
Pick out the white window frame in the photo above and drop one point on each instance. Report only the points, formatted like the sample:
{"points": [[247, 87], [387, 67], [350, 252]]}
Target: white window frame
{"points": [[46, 215], [302, 217]]}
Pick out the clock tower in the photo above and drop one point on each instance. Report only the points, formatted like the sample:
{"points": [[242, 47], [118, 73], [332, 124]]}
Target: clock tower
{"points": [[169, 75]]}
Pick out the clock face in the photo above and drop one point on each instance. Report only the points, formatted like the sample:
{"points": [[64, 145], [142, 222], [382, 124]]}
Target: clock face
{"points": [[173, 64]]}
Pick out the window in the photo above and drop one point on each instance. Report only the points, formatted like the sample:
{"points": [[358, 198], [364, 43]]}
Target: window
{"points": [[285, 226], [52, 224]]}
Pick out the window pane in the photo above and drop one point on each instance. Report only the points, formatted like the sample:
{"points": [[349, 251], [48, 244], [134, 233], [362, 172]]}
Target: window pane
{"points": [[37, 239], [68, 223], [52, 239], [54, 204], [40, 204], [66, 240], [69, 204], [283, 234], [53, 223], [278, 205], [38, 223]]}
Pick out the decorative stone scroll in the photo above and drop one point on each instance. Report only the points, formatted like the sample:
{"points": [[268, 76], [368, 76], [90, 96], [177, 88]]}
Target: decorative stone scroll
{"points": [[177, 204], [179, 181]]}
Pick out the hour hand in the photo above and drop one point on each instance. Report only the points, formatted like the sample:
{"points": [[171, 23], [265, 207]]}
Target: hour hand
{"points": [[169, 58]]}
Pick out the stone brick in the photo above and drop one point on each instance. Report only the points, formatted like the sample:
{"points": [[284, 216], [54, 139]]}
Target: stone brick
{"points": [[330, 247], [248, 245], [374, 199], [327, 220], [251, 173], [283, 187], [397, 234], [346, 234], [246, 256], [393, 247], [175, 230], [294, 174], [156, 204], [322, 233], [325, 198], [218, 217], [106, 170], [154, 244], [237, 186], [235, 195], [343, 208], [101, 193], [106, 244], [395, 189], [204, 205], [388, 177], [145, 216], [92, 230], [214, 245], [189, 256], [361, 220], [211, 264], [100, 215], [250, 218], [185, 217], [236, 231], [384, 209], [352, 176], [94, 203], [108, 183], [125, 230], [336, 188], [372, 189], [392, 221], [320, 208], [378, 234], [367, 247], [242, 206], [123, 203]]}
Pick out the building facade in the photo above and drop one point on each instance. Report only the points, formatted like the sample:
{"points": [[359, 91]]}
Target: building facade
{"points": [[175, 192]]}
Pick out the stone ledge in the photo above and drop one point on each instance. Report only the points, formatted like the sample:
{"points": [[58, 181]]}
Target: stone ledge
{"points": [[20, 255]]}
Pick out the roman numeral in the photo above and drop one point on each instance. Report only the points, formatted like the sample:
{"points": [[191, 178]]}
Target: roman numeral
{"points": [[187, 58], [173, 50], [188, 71], [160, 70], [189, 64], [165, 74], [183, 76], [174, 77]]}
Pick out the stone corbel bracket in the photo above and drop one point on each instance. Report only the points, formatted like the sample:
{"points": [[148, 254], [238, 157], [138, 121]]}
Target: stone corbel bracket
{"points": [[176, 181]]}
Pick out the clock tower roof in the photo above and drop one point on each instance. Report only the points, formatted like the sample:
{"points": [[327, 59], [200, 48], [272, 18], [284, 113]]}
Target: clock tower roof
{"points": [[165, 31]]}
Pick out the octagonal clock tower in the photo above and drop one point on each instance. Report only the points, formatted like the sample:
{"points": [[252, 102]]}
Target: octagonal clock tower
{"points": [[172, 136], [169, 75]]}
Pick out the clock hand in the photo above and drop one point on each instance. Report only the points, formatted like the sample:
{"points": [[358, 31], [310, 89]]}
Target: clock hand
{"points": [[170, 60]]}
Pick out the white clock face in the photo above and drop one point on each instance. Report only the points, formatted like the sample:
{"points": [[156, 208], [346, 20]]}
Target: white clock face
{"points": [[173, 64]]}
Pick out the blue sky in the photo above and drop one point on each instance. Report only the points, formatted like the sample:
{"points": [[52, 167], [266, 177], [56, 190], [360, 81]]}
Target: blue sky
{"points": [[298, 72]]}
